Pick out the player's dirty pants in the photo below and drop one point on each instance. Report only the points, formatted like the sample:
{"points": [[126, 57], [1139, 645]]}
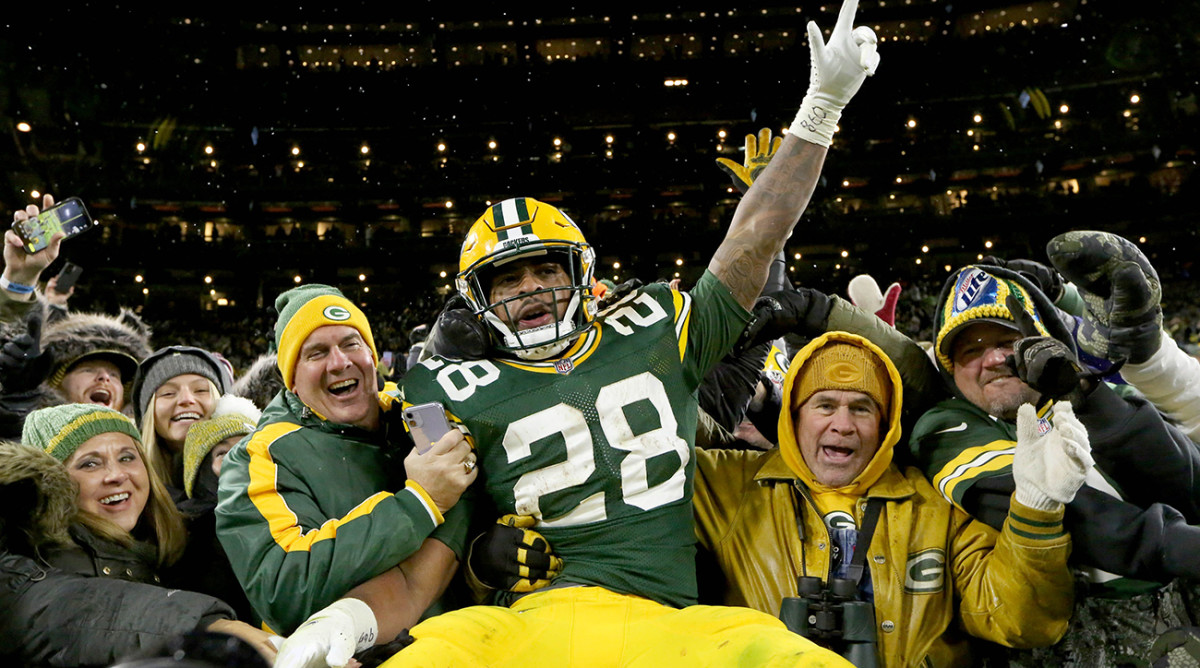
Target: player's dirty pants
{"points": [[591, 626]]}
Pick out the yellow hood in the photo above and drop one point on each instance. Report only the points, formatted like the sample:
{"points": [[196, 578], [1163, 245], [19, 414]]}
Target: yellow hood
{"points": [[789, 449]]}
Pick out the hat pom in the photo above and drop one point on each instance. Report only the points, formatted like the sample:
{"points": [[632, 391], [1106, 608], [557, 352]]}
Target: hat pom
{"points": [[231, 404]]}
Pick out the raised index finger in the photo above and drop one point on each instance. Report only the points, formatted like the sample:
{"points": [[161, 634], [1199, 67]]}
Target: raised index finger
{"points": [[1022, 317], [845, 20]]}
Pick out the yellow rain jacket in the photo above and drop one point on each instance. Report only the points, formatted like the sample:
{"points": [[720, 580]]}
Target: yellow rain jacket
{"points": [[935, 571]]}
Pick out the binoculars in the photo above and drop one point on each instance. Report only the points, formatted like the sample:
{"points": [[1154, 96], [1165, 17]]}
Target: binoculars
{"points": [[832, 616]]}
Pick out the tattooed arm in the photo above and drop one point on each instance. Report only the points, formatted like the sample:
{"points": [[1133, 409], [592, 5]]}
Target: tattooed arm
{"points": [[766, 215]]}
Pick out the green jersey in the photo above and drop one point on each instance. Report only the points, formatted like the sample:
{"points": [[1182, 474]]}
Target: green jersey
{"points": [[596, 444]]}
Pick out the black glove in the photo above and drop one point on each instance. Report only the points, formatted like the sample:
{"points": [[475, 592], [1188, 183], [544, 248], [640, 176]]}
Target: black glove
{"points": [[800, 311], [1044, 277], [23, 363], [1044, 363], [511, 556], [618, 293], [458, 333]]}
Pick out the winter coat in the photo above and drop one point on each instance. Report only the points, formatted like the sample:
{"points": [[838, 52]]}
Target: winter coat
{"points": [[52, 617], [308, 509], [934, 571]]}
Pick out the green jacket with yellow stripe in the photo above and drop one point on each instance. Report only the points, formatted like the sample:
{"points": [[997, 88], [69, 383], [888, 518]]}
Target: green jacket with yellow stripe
{"points": [[308, 509]]}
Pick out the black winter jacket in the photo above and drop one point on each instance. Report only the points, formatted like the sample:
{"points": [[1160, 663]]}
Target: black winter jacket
{"points": [[51, 617]]}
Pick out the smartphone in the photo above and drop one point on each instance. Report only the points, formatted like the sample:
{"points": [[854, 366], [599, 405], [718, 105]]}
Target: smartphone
{"points": [[67, 277], [68, 216], [426, 423]]}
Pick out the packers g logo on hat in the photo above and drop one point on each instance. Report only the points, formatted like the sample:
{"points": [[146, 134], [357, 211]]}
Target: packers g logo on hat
{"points": [[336, 313]]}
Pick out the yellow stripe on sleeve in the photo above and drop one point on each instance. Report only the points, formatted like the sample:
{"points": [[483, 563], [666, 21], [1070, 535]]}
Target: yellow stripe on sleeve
{"points": [[284, 525], [971, 463], [682, 308]]}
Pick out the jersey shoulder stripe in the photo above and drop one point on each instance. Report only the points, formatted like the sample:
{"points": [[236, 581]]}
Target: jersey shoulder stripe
{"points": [[971, 464], [683, 318]]}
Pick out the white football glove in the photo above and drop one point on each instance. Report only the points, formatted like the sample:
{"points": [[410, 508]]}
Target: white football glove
{"points": [[838, 70], [1048, 468], [330, 637]]}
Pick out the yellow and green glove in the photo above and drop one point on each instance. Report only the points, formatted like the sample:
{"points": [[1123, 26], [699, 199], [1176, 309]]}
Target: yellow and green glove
{"points": [[758, 156]]}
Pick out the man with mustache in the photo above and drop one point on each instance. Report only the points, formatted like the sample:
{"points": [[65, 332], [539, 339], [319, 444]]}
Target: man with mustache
{"points": [[1001, 343]]}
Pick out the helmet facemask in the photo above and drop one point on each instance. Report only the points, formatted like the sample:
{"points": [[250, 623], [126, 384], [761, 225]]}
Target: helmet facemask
{"points": [[553, 337]]}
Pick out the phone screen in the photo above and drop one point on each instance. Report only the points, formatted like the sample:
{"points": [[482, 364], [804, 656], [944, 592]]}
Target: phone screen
{"points": [[69, 217]]}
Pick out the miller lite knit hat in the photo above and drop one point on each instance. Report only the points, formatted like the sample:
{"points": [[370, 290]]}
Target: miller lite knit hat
{"points": [[979, 296], [60, 430], [843, 366], [306, 308]]}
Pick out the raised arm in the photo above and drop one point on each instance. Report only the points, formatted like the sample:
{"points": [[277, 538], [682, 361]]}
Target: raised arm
{"points": [[765, 216]]}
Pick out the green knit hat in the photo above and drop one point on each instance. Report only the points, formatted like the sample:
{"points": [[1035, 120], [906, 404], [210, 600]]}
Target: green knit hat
{"points": [[306, 308], [60, 430], [233, 416]]}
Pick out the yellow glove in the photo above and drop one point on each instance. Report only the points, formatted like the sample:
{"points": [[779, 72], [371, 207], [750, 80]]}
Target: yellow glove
{"points": [[758, 155]]}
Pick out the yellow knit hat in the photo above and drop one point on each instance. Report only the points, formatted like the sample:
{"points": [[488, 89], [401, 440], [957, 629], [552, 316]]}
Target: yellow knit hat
{"points": [[843, 366], [306, 308]]}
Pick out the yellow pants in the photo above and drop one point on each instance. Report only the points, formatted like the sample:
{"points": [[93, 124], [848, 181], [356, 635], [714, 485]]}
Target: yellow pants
{"points": [[591, 626]]}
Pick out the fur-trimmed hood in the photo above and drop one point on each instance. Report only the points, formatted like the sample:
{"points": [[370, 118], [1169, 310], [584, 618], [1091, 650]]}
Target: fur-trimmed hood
{"points": [[124, 336], [38, 498], [261, 382]]}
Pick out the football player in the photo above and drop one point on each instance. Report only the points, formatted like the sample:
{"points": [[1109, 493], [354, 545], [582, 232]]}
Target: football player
{"points": [[585, 420]]}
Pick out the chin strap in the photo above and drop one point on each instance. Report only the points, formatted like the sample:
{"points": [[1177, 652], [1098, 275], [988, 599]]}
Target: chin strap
{"points": [[544, 352]]}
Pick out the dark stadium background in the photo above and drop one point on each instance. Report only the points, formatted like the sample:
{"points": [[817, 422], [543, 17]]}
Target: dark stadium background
{"points": [[228, 153]]}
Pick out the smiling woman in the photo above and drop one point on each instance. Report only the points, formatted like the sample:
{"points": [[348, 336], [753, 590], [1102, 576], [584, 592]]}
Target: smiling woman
{"points": [[175, 387], [119, 499], [118, 524]]}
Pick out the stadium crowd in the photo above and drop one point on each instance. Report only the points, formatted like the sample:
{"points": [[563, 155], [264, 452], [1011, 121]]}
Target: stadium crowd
{"points": [[548, 467]]}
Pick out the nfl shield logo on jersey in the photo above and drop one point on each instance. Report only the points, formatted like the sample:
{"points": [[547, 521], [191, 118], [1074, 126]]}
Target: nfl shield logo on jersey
{"points": [[564, 366]]}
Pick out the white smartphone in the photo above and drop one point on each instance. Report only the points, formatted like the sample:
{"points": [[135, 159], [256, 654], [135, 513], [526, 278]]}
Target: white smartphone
{"points": [[426, 423]]}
